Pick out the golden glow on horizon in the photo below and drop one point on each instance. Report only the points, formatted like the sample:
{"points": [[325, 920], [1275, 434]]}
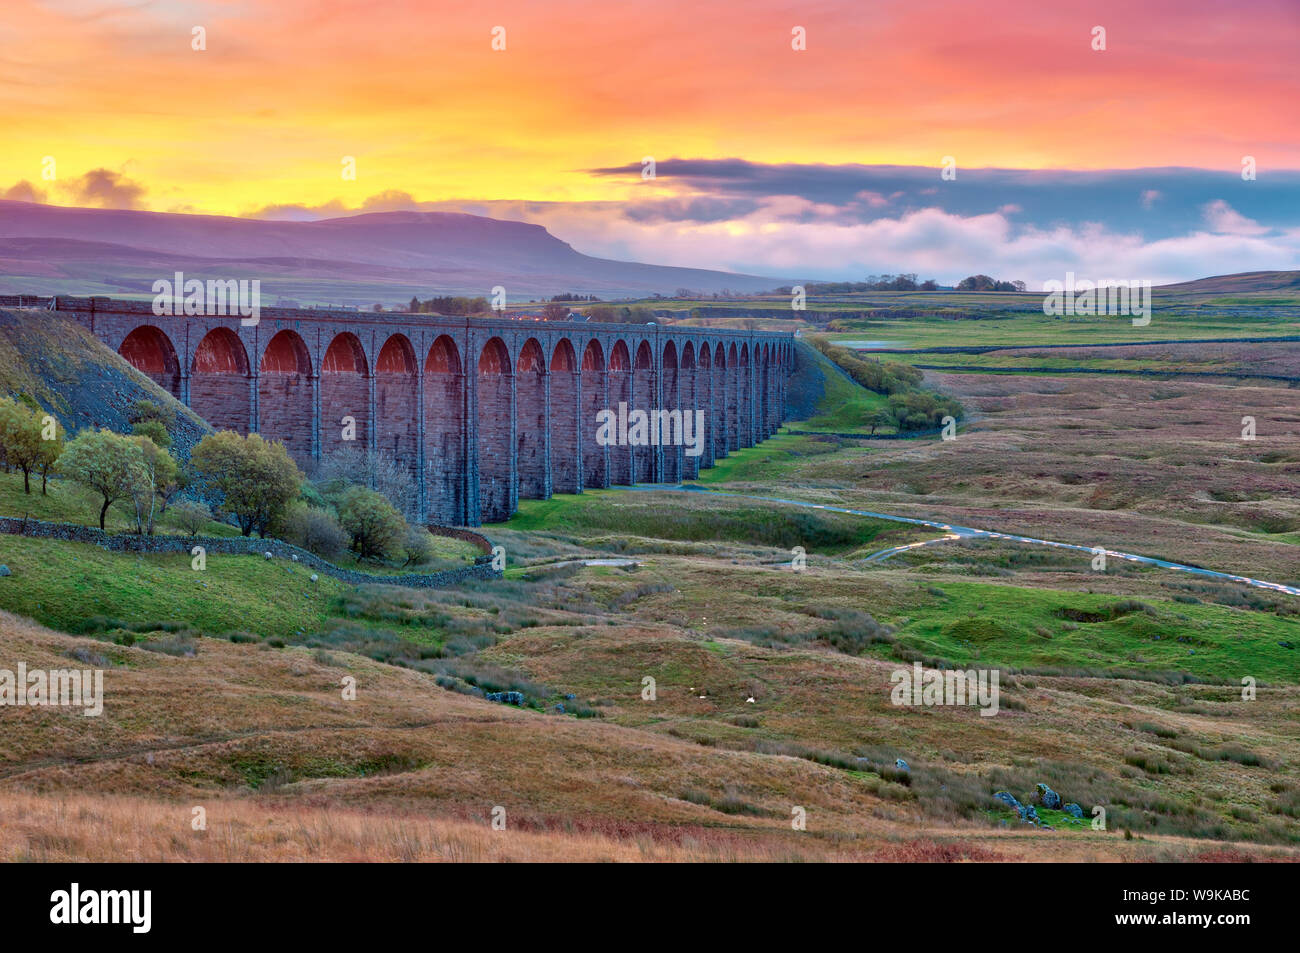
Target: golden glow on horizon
{"points": [[284, 91]]}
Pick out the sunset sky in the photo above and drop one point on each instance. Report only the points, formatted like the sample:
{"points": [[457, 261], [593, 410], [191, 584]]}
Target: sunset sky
{"points": [[823, 162]]}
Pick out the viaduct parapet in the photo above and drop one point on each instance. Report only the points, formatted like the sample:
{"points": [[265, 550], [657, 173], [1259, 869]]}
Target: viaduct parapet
{"points": [[483, 411]]}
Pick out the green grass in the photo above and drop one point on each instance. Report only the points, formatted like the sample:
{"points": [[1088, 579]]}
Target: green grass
{"points": [[845, 408], [1001, 359], [775, 457], [691, 518], [67, 502], [1034, 329], [61, 584], [992, 624]]}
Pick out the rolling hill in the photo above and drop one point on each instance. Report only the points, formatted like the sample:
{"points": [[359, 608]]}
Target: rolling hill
{"points": [[386, 256]]}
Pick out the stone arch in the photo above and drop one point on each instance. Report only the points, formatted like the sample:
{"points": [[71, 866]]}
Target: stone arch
{"points": [[444, 434], [769, 391], [219, 381], [595, 398], [745, 397], [284, 394], [531, 437], [566, 469], [705, 395], [721, 442], [345, 394], [644, 398], [496, 417], [397, 402], [670, 401], [688, 396], [733, 398], [620, 392], [150, 352]]}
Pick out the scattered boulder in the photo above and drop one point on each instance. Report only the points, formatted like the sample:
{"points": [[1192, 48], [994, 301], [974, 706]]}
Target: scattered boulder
{"points": [[1073, 810], [507, 698], [1050, 798], [901, 765], [1029, 814], [4, 570], [267, 555], [315, 578], [1010, 801]]}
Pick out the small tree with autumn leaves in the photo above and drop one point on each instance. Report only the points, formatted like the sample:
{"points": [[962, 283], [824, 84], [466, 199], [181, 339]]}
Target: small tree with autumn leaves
{"points": [[252, 479]]}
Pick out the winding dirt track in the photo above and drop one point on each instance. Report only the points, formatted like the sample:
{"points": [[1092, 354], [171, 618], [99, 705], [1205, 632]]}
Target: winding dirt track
{"points": [[953, 531]]}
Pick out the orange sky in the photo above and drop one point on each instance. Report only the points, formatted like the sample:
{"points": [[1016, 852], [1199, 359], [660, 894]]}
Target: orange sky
{"points": [[414, 91]]}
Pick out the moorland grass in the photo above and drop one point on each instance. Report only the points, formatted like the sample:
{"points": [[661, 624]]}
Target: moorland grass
{"points": [[689, 518]]}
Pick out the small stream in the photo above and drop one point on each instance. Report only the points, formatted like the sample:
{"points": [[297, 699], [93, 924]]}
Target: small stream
{"points": [[952, 531]]}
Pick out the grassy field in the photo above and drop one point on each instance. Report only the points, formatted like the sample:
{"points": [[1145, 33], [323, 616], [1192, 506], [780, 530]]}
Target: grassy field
{"points": [[67, 585], [67, 502], [611, 516], [846, 408], [772, 683], [1031, 329]]}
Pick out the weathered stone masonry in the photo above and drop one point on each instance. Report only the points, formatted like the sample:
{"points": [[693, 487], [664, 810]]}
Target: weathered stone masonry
{"points": [[483, 411]]}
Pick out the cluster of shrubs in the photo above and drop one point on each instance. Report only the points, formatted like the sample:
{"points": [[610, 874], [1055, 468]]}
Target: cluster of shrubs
{"points": [[356, 519], [355, 504], [911, 407]]}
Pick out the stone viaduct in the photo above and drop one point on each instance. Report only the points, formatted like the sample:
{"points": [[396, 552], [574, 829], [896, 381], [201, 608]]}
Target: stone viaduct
{"points": [[483, 411]]}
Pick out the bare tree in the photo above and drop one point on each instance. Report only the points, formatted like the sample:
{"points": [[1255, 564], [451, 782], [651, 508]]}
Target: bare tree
{"points": [[377, 469]]}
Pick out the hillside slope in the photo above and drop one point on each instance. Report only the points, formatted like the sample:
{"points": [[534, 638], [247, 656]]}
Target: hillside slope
{"points": [[1246, 282], [67, 371]]}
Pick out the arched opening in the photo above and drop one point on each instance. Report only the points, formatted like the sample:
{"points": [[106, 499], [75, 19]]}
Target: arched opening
{"points": [[689, 398], [620, 393], [644, 399], [397, 396], [150, 352], [284, 405], [345, 399], [704, 394], [530, 421], [566, 474], [745, 403], [219, 381], [444, 434], [765, 392], [595, 457], [670, 427], [496, 413], [733, 399]]}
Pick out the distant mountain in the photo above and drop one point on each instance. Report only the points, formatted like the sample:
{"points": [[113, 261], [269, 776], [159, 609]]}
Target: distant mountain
{"points": [[361, 259], [1246, 282]]}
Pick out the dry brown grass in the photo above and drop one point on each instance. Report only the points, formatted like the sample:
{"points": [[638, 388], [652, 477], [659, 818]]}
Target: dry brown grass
{"points": [[116, 828], [288, 771], [1155, 467]]}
